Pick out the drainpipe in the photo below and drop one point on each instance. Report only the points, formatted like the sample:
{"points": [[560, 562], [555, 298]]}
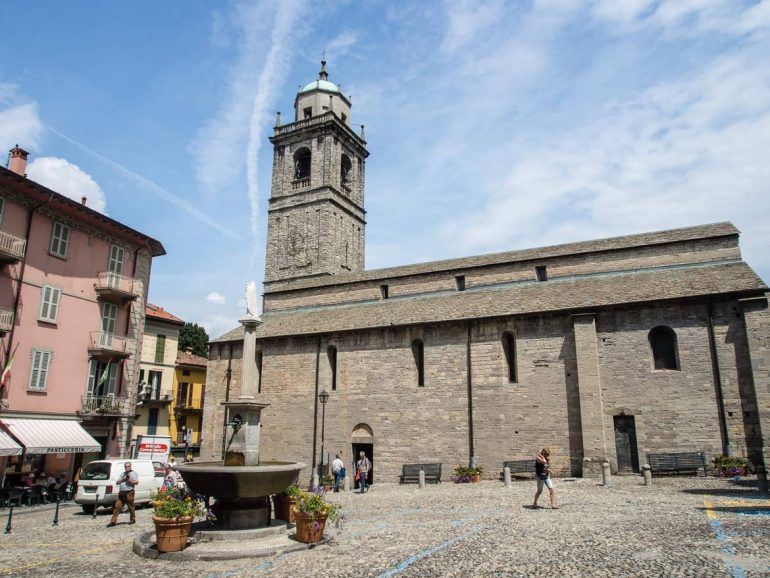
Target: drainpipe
{"points": [[315, 403], [228, 376], [471, 452], [726, 450], [21, 276]]}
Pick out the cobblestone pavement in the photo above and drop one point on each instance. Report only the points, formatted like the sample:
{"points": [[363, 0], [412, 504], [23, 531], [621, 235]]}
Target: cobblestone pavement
{"points": [[682, 526]]}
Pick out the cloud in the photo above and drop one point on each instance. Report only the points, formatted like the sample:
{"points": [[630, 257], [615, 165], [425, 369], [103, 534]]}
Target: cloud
{"points": [[217, 325], [68, 179], [341, 44], [19, 123], [216, 297]]}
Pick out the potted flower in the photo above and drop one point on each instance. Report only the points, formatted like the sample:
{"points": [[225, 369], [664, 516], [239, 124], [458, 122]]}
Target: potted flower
{"points": [[326, 482], [729, 467], [467, 475], [173, 517], [284, 502], [311, 512]]}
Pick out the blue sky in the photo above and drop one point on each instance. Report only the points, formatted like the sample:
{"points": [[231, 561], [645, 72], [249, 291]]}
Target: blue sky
{"points": [[491, 125]]}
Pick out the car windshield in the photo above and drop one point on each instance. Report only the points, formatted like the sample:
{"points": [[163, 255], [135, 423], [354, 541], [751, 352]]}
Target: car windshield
{"points": [[96, 471]]}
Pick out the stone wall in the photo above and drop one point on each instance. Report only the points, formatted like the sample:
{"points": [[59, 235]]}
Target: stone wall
{"points": [[549, 404]]}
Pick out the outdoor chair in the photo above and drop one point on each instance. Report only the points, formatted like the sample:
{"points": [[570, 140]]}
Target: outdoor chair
{"points": [[34, 494], [4, 497], [15, 495]]}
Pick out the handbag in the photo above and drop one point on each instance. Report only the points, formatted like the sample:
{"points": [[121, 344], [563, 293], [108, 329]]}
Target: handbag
{"points": [[343, 472], [358, 475]]}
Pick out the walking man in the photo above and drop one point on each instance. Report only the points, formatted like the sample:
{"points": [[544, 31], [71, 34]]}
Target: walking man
{"points": [[338, 469], [126, 485], [543, 473], [364, 465]]}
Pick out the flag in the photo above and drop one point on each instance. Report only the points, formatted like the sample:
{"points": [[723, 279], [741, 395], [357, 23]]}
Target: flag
{"points": [[7, 369], [105, 376]]}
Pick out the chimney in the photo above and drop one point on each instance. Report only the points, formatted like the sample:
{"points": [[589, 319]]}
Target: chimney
{"points": [[18, 161], [83, 200], [188, 350]]}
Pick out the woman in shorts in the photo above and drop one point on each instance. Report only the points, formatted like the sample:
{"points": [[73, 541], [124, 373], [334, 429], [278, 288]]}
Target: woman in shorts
{"points": [[543, 474]]}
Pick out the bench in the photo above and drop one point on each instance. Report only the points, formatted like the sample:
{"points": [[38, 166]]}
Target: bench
{"points": [[411, 472], [519, 467], [677, 462]]}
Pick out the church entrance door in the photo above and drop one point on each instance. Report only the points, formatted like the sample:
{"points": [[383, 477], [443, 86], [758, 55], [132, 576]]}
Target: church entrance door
{"points": [[368, 449], [625, 443]]}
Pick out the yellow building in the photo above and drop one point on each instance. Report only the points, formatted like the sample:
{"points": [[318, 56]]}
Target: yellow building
{"points": [[160, 346], [187, 403]]}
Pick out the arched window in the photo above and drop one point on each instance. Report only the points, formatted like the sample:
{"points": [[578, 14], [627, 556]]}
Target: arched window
{"points": [[345, 166], [509, 350], [302, 164], [259, 372], [664, 349], [331, 352], [418, 350]]}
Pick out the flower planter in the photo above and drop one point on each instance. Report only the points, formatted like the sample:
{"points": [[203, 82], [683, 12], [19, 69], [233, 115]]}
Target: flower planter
{"points": [[732, 472], [475, 478], [171, 533], [284, 508], [309, 531]]}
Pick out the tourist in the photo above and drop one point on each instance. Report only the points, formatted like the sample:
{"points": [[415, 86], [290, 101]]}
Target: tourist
{"points": [[338, 470], [170, 479], [543, 473], [363, 465], [126, 493], [29, 480]]}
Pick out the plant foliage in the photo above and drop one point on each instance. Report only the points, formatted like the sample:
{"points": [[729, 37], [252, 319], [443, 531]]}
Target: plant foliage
{"points": [[174, 503], [195, 336]]}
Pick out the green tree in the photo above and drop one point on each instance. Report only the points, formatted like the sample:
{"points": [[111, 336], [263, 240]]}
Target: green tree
{"points": [[193, 335]]}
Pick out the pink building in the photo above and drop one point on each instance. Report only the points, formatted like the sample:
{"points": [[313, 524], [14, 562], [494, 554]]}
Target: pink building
{"points": [[73, 288]]}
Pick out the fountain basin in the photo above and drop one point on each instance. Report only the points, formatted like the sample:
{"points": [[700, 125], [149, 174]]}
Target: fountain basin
{"points": [[234, 483]]}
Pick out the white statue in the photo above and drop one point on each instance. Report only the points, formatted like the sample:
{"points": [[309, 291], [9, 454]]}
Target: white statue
{"points": [[251, 299]]}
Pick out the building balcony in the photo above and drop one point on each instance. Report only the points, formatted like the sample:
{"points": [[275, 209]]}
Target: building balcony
{"points": [[104, 405], [12, 248], [153, 397], [300, 183], [105, 345], [6, 320], [195, 439], [117, 288], [191, 404]]}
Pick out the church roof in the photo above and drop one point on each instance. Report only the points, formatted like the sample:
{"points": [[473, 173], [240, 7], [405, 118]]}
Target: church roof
{"points": [[325, 85], [538, 253], [575, 293]]}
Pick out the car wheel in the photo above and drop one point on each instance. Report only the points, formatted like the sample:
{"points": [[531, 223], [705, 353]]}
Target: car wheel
{"points": [[88, 508]]}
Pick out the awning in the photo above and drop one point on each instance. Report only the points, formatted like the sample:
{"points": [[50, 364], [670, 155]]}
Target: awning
{"points": [[8, 447], [51, 436]]}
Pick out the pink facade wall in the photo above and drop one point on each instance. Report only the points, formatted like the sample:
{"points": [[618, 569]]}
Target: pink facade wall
{"points": [[79, 310]]}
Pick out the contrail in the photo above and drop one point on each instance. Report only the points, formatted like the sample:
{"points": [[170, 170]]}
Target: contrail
{"points": [[144, 182], [269, 81]]}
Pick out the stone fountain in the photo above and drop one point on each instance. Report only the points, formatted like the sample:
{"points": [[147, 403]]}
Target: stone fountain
{"points": [[242, 484]]}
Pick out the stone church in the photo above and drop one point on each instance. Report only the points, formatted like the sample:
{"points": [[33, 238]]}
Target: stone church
{"points": [[599, 350]]}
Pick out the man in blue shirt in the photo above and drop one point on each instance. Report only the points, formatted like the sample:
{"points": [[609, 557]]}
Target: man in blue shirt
{"points": [[126, 491]]}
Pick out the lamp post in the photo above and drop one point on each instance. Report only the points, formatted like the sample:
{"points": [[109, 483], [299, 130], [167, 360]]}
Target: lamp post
{"points": [[323, 397]]}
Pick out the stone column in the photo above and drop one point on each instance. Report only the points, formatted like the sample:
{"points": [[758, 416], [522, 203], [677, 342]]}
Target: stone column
{"points": [[249, 382], [590, 390], [757, 318]]}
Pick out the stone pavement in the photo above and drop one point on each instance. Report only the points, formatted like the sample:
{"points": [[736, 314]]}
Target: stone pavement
{"points": [[683, 526]]}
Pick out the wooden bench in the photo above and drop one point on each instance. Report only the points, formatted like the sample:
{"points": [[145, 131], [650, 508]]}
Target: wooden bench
{"points": [[519, 467], [411, 472], [677, 462]]}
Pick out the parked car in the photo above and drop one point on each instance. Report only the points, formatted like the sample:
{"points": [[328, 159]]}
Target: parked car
{"points": [[98, 482]]}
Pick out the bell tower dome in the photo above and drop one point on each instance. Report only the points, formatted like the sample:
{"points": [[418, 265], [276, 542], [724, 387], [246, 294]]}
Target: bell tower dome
{"points": [[316, 216]]}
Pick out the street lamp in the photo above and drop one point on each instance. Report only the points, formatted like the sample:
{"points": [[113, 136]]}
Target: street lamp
{"points": [[323, 397]]}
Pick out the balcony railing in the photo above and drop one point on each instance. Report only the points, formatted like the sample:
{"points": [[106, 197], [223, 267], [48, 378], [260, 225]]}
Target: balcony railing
{"points": [[194, 439], [117, 287], [155, 395], [300, 183], [6, 320], [12, 248], [104, 344], [104, 405], [190, 403]]}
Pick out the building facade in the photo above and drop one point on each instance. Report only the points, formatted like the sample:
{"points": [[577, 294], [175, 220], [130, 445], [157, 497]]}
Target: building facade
{"points": [[73, 284], [187, 409], [599, 350], [160, 345]]}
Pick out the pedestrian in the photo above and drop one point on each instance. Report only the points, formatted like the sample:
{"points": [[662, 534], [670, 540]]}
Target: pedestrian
{"points": [[169, 480], [126, 493], [363, 466], [543, 474], [338, 470]]}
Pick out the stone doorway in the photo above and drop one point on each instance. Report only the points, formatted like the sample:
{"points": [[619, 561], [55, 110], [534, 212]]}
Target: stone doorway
{"points": [[625, 444], [368, 449], [362, 440]]}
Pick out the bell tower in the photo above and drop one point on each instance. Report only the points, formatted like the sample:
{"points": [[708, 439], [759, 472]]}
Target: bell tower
{"points": [[316, 216]]}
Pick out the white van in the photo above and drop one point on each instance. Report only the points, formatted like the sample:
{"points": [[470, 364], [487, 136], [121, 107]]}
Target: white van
{"points": [[98, 482]]}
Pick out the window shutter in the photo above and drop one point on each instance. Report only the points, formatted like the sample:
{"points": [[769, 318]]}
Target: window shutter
{"points": [[54, 306], [35, 369], [45, 301], [45, 361]]}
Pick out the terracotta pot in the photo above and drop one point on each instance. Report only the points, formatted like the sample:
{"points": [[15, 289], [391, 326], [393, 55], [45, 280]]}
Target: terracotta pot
{"points": [[171, 533], [309, 531], [284, 508], [475, 478]]}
